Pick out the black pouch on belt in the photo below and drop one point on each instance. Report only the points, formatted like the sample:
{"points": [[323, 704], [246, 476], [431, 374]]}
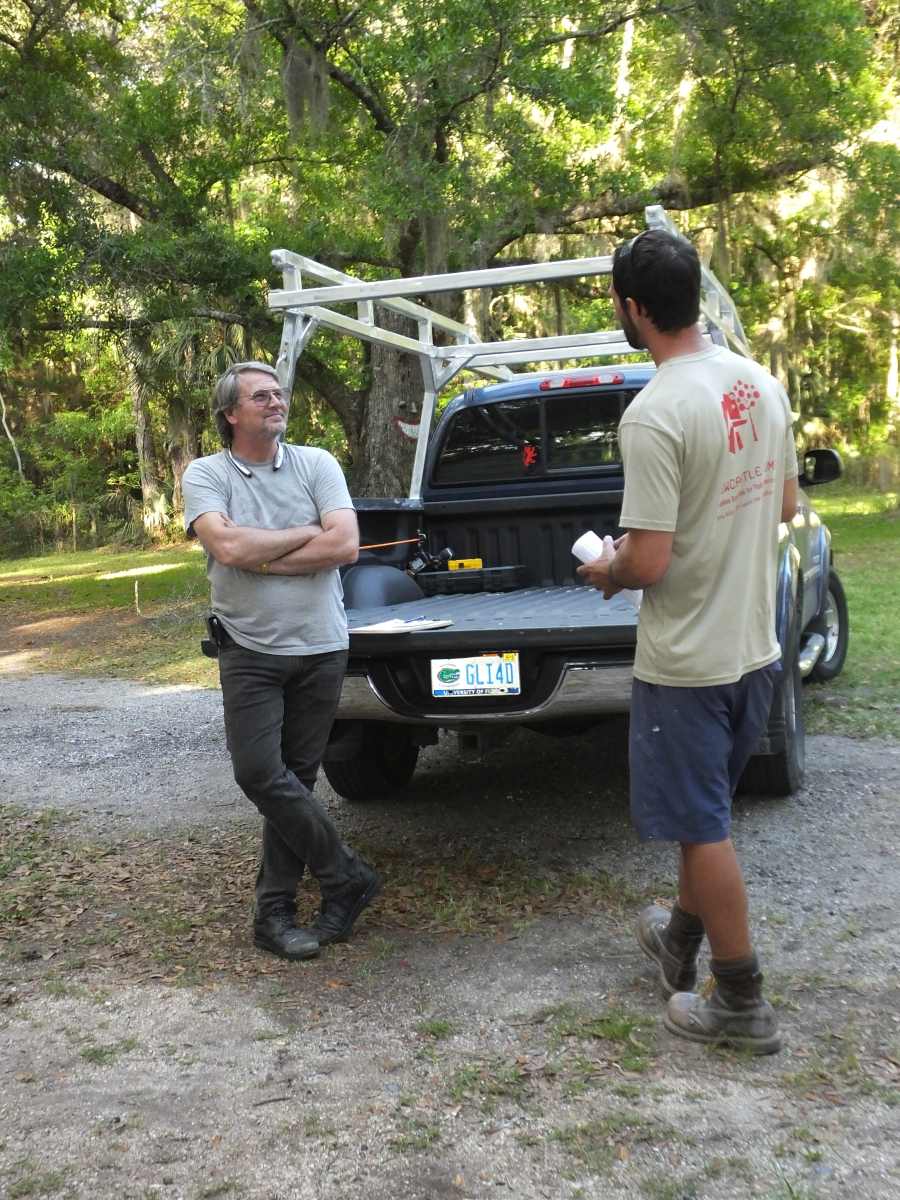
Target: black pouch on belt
{"points": [[218, 637]]}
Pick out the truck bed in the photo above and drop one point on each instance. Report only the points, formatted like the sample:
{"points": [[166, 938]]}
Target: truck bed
{"points": [[549, 617]]}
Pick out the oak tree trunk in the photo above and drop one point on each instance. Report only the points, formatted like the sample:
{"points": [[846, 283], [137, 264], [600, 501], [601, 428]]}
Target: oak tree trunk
{"points": [[154, 507], [383, 454]]}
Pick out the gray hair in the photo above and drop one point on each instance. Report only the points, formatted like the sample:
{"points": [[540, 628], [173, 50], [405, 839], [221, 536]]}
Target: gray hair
{"points": [[225, 394]]}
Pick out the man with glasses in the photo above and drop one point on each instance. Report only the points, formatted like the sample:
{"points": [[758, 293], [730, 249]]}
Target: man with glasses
{"points": [[710, 470], [276, 521]]}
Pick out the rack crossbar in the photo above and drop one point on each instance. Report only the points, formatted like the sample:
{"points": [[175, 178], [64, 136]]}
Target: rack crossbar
{"points": [[454, 281], [325, 274]]}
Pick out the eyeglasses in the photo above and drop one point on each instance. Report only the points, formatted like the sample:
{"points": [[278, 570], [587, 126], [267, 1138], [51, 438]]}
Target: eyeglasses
{"points": [[267, 395]]}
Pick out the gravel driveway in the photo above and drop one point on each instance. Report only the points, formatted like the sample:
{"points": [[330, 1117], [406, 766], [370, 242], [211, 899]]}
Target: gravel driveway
{"points": [[458, 1056]]}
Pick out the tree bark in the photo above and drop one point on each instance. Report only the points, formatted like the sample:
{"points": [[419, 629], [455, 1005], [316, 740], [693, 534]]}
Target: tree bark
{"points": [[154, 508], [383, 454], [181, 442], [12, 440]]}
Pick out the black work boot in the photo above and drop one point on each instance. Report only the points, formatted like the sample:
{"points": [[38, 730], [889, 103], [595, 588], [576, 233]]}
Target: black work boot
{"points": [[672, 940], [341, 908], [277, 932], [734, 1015]]}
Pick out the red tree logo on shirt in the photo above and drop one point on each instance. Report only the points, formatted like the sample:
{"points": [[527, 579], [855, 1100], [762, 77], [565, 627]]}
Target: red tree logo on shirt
{"points": [[735, 404]]}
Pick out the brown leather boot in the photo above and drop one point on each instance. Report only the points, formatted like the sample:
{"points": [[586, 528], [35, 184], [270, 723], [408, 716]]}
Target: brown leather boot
{"points": [[734, 1015], [672, 940]]}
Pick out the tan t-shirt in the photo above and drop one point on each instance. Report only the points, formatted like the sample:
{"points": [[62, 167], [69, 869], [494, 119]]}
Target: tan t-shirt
{"points": [[707, 446]]}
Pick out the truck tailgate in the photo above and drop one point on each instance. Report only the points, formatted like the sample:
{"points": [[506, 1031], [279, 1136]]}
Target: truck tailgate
{"points": [[549, 617]]}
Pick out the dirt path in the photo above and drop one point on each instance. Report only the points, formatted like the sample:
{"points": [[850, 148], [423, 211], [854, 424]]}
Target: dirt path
{"points": [[491, 1031]]}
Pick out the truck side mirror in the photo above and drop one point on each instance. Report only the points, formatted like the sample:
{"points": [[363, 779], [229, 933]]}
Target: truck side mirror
{"points": [[820, 466]]}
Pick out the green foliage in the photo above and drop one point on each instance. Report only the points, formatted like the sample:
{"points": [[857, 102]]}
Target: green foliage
{"points": [[18, 508], [865, 528], [150, 159]]}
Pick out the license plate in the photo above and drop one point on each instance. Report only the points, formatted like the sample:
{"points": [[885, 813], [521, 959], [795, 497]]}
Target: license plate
{"points": [[479, 675]]}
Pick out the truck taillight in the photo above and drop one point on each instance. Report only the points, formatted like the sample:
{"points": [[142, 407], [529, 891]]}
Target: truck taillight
{"points": [[548, 385]]}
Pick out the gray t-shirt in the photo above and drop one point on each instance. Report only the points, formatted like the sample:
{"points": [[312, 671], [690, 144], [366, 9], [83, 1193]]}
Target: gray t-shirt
{"points": [[275, 614]]}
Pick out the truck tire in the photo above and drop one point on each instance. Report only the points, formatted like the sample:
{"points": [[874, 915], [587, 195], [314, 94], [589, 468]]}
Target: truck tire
{"points": [[781, 774], [382, 767], [834, 626]]}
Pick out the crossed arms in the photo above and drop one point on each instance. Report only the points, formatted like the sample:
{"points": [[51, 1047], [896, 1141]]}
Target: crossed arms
{"points": [[297, 550]]}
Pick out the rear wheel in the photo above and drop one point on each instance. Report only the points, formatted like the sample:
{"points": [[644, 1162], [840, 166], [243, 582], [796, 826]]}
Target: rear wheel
{"points": [[781, 773], [834, 626], [382, 766]]}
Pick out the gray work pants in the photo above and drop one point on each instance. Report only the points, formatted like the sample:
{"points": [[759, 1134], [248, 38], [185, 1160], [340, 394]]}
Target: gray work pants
{"points": [[278, 713]]}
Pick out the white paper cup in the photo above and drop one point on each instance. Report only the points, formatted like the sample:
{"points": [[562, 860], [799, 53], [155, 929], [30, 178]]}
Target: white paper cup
{"points": [[588, 547]]}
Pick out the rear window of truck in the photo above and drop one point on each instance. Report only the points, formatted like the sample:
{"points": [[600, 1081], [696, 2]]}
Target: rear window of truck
{"points": [[514, 440]]}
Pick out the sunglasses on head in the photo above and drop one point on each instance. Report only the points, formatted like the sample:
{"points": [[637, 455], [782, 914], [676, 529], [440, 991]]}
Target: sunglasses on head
{"points": [[624, 265]]}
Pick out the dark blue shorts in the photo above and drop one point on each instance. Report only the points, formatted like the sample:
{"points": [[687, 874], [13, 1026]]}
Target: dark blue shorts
{"points": [[688, 747]]}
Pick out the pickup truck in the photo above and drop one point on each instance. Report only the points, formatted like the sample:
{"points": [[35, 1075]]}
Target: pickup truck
{"points": [[515, 472], [502, 485]]}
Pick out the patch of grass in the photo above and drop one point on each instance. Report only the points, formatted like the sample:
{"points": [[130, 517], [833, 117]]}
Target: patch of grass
{"points": [[33, 1181], [623, 1032], [490, 1081], [596, 1144], [118, 1125], [80, 613], [62, 989], [792, 1190], [373, 953], [418, 1135], [503, 1081], [862, 701], [445, 891], [578, 1074], [105, 1056], [840, 1069], [665, 1187], [590, 1144], [463, 1082], [436, 1028], [227, 1187], [315, 1127], [734, 1166]]}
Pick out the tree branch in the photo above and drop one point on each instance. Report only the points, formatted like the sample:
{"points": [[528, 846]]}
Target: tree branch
{"points": [[367, 98], [673, 193], [344, 400], [12, 440], [118, 324], [110, 189], [594, 35], [383, 123], [158, 171]]}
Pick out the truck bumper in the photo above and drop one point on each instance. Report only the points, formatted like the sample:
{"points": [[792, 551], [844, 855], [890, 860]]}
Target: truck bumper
{"points": [[584, 690]]}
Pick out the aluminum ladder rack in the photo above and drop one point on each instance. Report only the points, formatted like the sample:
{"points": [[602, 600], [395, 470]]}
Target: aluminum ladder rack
{"points": [[306, 309]]}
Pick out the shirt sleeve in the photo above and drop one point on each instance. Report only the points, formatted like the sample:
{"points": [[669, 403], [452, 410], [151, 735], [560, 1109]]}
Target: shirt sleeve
{"points": [[330, 487], [203, 492], [652, 462]]}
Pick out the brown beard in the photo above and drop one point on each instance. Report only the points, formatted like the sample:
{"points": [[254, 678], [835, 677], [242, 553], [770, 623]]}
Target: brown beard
{"points": [[631, 334]]}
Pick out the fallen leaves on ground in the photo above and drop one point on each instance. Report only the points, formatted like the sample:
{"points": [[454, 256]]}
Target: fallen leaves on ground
{"points": [[177, 908]]}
